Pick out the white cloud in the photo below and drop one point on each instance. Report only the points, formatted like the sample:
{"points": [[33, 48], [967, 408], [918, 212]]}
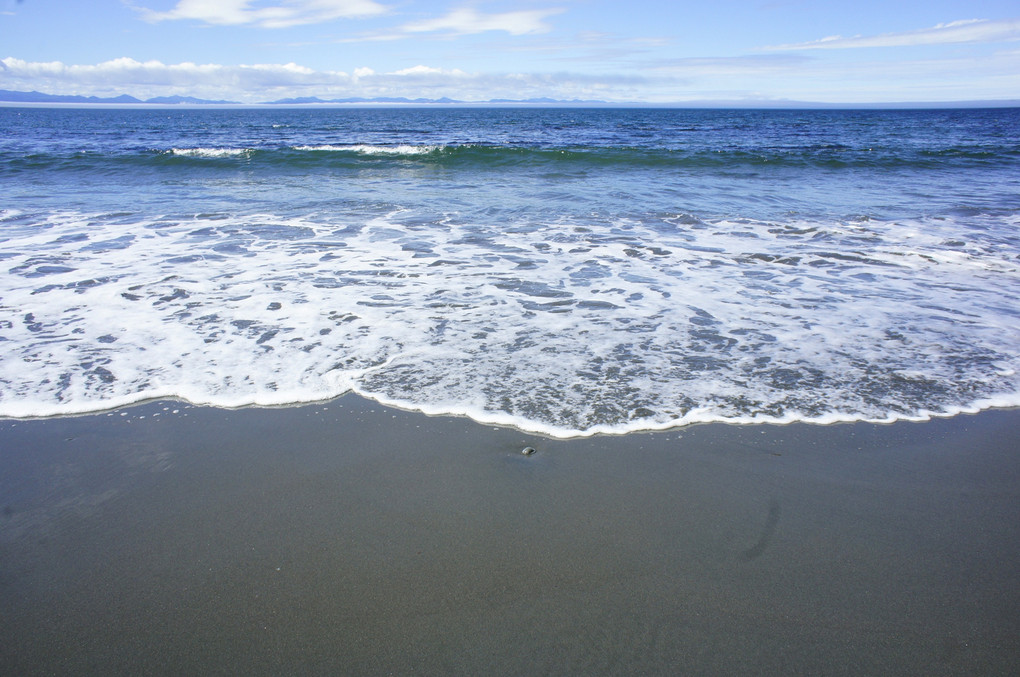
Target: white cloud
{"points": [[467, 20], [730, 65], [273, 15], [419, 70], [153, 78], [967, 30]]}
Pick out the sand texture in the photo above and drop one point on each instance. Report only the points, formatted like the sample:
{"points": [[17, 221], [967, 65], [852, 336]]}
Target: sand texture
{"points": [[349, 538]]}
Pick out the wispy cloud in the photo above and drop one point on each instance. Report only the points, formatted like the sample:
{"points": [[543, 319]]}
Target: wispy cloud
{"points": [[266, 15], [729, 65], [967, 30], [467, 20], [604, 50], [287, 13]]}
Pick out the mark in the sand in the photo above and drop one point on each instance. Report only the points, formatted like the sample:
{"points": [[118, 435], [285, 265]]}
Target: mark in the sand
{"points": [[767, 532]]}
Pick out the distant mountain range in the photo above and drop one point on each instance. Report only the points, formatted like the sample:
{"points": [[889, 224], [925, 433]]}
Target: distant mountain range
{"points": [[401, 99], [8, 96], [38, 97]]}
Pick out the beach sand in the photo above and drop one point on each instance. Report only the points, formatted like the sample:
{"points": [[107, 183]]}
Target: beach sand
{"points": [[351, 538]]}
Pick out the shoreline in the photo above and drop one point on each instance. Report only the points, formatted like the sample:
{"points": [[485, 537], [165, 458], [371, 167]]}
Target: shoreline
{"points": [[348, 537], [123, 406]]}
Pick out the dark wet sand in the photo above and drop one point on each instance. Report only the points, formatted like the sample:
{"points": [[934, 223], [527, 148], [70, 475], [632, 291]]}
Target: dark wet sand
{"points": [[348, 538]]}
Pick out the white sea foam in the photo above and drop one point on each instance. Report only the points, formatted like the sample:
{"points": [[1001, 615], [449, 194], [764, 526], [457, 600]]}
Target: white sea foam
{"points": [[368, 149], [209, 152], [562, 328]]}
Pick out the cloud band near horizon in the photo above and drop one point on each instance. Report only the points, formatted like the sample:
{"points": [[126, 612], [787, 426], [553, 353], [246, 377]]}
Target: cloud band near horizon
{"points": [[260, 82]]}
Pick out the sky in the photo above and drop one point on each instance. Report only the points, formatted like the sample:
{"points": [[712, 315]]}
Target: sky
{"points": [[653, 51]]}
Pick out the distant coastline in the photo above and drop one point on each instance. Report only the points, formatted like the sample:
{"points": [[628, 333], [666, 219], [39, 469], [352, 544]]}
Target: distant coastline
{"points": [[33, 98]]}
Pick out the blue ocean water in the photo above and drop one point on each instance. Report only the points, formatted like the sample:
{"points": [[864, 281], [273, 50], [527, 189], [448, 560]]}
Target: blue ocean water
{"points": [[567, 271]]}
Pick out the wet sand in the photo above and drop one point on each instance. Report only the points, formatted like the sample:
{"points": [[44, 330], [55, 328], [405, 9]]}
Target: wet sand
{"points": [[349, 538]]}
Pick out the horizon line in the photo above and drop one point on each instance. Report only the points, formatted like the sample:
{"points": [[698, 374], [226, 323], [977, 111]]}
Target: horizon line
{"points": [[186, 101]]}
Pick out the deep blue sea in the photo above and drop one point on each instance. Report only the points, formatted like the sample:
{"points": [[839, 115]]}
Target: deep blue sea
{"points": [[567, 271]]}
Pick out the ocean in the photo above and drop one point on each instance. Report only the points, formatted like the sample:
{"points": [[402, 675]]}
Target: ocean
{"points": [[565, 271]]}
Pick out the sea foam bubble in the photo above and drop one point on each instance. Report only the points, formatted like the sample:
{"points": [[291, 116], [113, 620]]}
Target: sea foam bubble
{"points": [[562, 327], [370, 149], [209, 152]]}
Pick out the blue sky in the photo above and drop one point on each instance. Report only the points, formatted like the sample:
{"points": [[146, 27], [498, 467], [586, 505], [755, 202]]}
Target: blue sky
{"points": [[864, 51]]}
